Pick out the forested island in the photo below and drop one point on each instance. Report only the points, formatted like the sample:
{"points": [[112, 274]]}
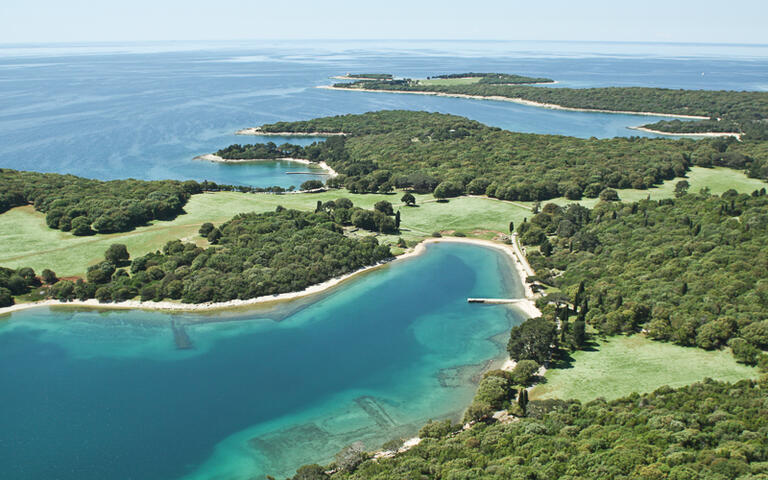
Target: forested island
{"points": [[748, 110]]}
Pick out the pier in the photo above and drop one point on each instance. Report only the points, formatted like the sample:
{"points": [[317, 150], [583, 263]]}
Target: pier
{"points": [[495, 300]]}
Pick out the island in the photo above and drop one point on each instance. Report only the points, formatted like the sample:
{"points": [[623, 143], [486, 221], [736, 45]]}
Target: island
{"points": [[747, 110]]}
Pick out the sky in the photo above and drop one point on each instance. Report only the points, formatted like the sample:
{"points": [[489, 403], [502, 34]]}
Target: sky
{"points": [[698, 21]]}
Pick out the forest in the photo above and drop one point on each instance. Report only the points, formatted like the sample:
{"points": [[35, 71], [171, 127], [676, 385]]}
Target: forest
{"points": [[251, 255], [261, 151], [692, 270], [708, 430], [384, 150], [84, 206]]}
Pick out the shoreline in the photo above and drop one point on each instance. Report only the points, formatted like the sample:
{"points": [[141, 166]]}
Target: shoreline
{"points": [[702, 134], [211, 157], [528, 306], [520, 101], [257, 131]]}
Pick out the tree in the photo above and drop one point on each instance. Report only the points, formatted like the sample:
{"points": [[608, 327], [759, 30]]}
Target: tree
{"points": [[609, 195], [408, 199], [524, 372], [397, 220], [214, 236], [81, 226], [384, 207], [522, 400], [49, 277], [579, 333], [494, 390], [101, 272], [205, 229], [319, 206], [447, 189], [532, 340], [546, 247], [364, 219], [344, 203], [6, 299], [312, 185], [117, 253], [511, 227], [681, 188]]}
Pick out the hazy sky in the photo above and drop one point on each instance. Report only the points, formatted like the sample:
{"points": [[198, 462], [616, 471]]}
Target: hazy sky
{"points": [[604, 20]]}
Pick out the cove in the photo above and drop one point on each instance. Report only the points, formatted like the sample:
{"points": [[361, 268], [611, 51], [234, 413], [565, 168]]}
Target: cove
{"points": [[91, 394]]}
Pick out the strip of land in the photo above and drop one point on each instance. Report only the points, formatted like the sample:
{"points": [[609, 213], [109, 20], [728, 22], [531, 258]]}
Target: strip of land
{"points": [[210, 157], [520, 101], [693, 135], [259, 132]]}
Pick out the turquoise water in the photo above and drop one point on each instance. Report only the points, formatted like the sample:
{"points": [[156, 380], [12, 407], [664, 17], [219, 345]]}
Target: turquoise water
{"points": [[146, 110], [97, 394]]}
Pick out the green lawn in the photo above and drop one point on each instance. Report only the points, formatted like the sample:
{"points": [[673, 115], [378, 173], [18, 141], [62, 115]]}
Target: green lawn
{"points": [[449, 81], [622, 365], [28, 242], [718, 179]]}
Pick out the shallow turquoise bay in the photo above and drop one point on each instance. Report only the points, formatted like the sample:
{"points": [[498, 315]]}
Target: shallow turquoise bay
{"points": [[98, 394]]}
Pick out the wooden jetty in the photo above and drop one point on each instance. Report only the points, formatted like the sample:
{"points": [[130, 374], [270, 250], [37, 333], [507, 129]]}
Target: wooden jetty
{"points": [[495, 300]]}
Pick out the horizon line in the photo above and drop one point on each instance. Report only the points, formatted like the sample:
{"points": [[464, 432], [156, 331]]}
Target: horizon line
{"points": [[314, 39]]}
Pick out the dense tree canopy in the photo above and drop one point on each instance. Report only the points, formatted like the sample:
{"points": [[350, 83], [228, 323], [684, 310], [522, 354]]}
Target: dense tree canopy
{"points": [[692, 270], [85, 206], [255, 255]]}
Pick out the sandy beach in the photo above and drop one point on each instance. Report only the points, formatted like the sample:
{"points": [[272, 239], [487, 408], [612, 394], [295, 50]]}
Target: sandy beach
{"points": [[699, 135], [257, 131], [527, 305], [517, 100], [210, 157]]}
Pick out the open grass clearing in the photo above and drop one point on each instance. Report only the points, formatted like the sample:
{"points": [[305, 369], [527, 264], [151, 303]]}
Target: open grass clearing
{"points": [[717, 179], [621, 365], [449, 81]]}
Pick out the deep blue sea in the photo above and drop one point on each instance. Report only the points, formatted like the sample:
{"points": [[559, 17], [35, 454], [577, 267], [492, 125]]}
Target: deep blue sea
{"points": [[92, 395], [146, 110]]}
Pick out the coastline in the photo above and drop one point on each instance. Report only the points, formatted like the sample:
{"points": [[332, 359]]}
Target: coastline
{"points": [[210, 157], [737, 136], [257, 131], [527, 305], [521, 101]]}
